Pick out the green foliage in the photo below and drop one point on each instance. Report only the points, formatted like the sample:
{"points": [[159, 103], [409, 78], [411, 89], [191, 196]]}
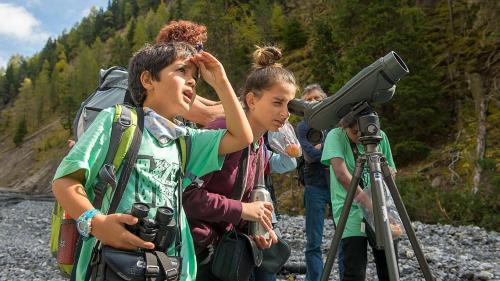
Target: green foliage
{"points": [[140, 35], [52, 145], [409, 151], [21, 131], [11, 79], [276, 23], [495, 180], [455, 205], [120, 51], [25, 103], [294, 35], [43, 94]]}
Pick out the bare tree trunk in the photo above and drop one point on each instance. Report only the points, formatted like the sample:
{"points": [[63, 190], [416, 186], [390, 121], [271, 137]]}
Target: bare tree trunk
{"points": [[481, 105]]}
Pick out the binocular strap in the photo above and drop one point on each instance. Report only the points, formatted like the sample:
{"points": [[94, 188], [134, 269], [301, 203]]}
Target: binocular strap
{"points": [[169, 265]]}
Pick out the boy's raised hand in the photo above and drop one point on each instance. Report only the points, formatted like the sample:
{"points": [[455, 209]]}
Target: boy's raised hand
{"points": [[211, 69], [111, 231]]}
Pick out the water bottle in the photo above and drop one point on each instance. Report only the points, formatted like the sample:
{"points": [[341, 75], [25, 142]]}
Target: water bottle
{"points": [[259, 193]]}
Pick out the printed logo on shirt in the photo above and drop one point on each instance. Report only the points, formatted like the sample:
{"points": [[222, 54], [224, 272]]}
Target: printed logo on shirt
{"points": [[158, 183]]}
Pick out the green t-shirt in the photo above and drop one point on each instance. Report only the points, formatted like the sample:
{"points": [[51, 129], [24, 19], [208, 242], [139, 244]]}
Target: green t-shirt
{"points": [[152, 180], [337, 145]]}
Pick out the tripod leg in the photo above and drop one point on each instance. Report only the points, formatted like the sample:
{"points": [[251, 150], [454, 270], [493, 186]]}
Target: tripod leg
{"points": [[406, 221], [382, 227], [360, 162]]}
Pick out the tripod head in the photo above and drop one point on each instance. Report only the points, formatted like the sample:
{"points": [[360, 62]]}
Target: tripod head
{"points": [[368, 124]]}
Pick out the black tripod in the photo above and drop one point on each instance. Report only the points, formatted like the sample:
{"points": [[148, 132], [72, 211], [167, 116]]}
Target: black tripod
{"points": [[379, 173]]}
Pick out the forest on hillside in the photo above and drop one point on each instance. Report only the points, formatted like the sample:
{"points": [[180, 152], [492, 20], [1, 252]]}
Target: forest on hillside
{"points": [[443, 122]]}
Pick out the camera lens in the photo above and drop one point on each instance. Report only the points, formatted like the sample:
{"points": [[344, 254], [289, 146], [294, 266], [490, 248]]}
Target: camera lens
{"points": [[314, 136]]}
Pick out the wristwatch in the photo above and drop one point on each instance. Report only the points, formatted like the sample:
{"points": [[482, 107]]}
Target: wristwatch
{"points": [[83, 223]]}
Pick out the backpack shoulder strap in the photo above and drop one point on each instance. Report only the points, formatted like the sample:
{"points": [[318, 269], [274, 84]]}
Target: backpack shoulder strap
{"points": [[127, 119], [185, 149], [129, 160], [240, 182], [122, 131], [184, 142]]}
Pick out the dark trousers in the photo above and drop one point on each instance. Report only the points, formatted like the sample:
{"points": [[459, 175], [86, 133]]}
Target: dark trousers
{"points": [[353, 259]]}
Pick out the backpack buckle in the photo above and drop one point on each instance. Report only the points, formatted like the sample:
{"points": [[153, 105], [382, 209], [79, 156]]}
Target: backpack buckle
{"points": [[125, 121], [152, 270]]}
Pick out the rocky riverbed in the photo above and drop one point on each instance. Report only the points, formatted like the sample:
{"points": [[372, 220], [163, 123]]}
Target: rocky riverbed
{"points": [[453, 253]]}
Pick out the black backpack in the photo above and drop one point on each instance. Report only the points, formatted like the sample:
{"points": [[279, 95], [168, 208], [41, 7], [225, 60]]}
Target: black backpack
{"points": [[301, 164]]}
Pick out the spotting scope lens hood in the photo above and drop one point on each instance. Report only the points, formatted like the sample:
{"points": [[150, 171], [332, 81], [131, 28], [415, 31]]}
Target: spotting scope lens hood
{"points": [[376, 83]]}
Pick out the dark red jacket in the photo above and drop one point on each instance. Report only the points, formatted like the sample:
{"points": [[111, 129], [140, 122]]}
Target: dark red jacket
{"points": [[209, 209]]}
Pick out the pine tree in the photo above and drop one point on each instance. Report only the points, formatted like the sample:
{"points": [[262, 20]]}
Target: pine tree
{"points": [[294, 35], [120, 51], [141, 36], [84, 78], [60, 80], [42, 94], [25, 103], [20, 132], [276, 23]]}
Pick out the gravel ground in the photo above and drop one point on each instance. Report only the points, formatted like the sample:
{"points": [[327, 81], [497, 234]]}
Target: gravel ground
{"points": [[453, 253]]}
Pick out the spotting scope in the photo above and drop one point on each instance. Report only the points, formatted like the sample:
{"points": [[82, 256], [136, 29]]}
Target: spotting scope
{"points": [[376, 83]]}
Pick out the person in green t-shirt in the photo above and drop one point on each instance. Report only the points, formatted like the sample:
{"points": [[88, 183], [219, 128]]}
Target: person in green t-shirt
{"points": [[162, 79], [338, 154]]}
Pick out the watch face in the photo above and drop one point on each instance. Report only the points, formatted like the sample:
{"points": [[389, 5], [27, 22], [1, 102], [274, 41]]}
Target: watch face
{"points": [[83, 227]]}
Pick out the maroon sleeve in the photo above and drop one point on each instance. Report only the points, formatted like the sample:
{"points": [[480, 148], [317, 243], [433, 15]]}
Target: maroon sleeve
{"points": [[212, 207], [210, 202], [219, 123]]}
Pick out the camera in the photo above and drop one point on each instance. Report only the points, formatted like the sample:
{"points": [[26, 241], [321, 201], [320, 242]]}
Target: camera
{"points": [[161, 230]]}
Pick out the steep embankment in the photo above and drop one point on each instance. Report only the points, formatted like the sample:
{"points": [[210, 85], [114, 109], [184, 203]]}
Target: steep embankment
{"points": [[31, 165]]}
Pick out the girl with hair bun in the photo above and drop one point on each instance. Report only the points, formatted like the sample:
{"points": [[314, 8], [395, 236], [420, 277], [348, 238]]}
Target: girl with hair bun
{"points": [[211, 211]]}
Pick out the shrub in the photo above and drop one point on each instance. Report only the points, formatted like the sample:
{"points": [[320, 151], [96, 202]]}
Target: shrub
{"points": [[21, 132], [410, 151]]}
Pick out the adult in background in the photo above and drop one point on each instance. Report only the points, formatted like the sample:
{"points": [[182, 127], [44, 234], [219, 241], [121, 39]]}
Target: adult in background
{"points": [[341, 149], [317, 191]]}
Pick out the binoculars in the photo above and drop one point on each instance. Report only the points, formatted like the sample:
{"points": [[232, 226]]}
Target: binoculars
{"points": [[161, 230]]}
